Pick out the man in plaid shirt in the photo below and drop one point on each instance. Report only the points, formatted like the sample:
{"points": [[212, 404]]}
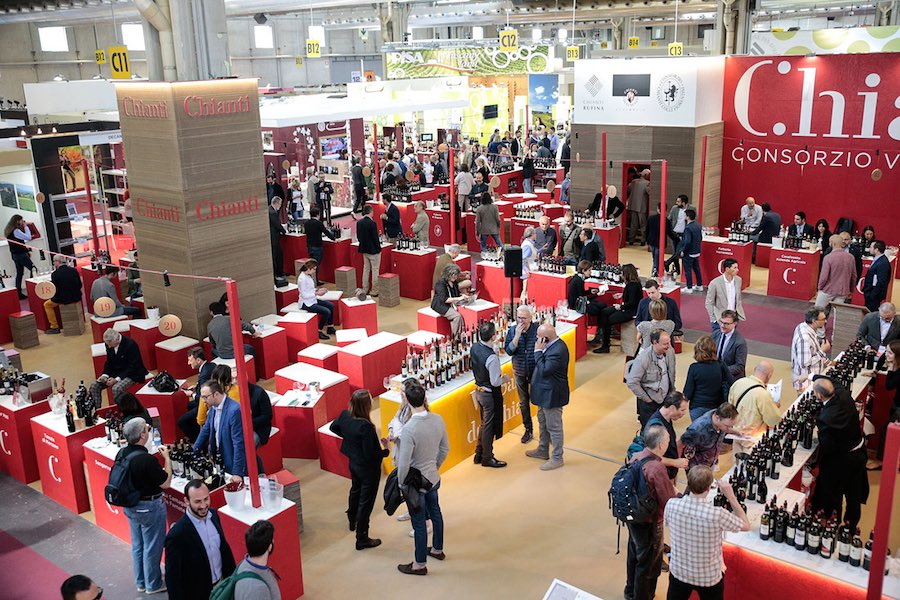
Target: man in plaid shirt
{"points": [[695, 533], [809, 356]]}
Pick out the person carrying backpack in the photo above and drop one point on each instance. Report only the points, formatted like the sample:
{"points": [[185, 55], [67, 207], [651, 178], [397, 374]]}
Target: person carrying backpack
{"points": [[253, 579], [136, 482], [645, 531]]}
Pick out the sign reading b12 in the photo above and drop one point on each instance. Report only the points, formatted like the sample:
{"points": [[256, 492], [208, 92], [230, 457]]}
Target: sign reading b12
{"points": [[313, 49]]}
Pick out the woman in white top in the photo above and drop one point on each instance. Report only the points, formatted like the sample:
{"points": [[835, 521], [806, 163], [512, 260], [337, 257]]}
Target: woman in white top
{"points": [[658, 321], [529, 256], [309, 298], [296, 199]]}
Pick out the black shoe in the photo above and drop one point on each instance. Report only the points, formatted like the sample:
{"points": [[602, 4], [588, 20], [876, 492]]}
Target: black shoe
{"points": [[477, 460], [437, 555], [368, 543], [527, 437], [22, 296], [351, 519], [330, 330], [602, 350], [323, 336], [407, 569], [52, 331], [494, 463]]}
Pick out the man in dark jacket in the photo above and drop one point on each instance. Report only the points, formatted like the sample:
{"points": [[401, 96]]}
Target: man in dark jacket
{"points": [[261, 411], [370, 248], [276, 230], [651, 287], [550, 392], [769, 227], [651, 234], [690, 252], [196, 359], [123, 368], [393, 227], [592, 248], [315, 229], [273, 188], [197, 553], [877, 278], [359, 187], [520, 341], [68, 290], [842, 454], [488, 379]]}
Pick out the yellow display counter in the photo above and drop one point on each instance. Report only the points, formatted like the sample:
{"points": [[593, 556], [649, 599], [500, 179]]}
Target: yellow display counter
{"points": [[454, 402]]}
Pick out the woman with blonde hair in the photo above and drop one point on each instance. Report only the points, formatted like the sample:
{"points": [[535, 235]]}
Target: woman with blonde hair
{"points": [[658, 320]]}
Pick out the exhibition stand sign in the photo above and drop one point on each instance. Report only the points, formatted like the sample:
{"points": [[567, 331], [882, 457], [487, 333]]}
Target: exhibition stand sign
{"points": [[476, 60]]}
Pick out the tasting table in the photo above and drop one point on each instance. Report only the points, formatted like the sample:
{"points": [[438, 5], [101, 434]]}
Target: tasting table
{"points": [[176, 503], [793, 273], [547, 289], [416, 269], [492, 284], [293, 246], [439, 232], [299, 414], [335, 253], [9, 304], [17, 453], [858, 298], [170, 406], [716, 249], [510, 181], [368, 361], [335, 386], [99, 456], [270, 348], [356, 261]]}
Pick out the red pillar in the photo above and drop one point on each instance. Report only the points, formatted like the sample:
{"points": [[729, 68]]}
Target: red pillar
{"points": [[451, 158], [884, 510], [661, 268], [603, 172], [375, 160]]}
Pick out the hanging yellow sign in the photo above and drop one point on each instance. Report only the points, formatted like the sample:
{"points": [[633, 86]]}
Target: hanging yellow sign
{"points": [[509, 40], [313, 49], [676, 49], [634, 42], [100, 57], [118, 61], [573, 53], [298, 61]]}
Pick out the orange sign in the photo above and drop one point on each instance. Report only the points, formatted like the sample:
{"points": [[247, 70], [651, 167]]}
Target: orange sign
{"points": [[45, 290], [369, 75], [104, 307]]}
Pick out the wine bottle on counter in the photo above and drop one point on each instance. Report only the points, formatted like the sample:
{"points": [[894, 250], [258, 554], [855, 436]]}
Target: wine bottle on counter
{"points": [[856, 550], [764, 524], [70, 418]]}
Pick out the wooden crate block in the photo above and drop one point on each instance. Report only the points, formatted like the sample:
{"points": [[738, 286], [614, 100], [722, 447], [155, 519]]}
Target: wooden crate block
{"points": [[24, 329], [388, 290], [72, 319], [345, 280]]}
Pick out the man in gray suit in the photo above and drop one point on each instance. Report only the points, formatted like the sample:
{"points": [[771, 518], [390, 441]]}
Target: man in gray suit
{"points": [[878, 329], [550, 392], [731, 347], [651, 376], [724, 293]]}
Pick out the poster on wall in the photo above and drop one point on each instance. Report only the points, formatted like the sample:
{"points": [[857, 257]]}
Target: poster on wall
{"points": [[481, 60], [855, 40], [70, 158], [543, 94], [818, 134], [8, 195], [25, 196]]}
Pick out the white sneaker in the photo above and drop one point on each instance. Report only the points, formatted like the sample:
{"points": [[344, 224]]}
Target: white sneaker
{"points": [[404, 517], [412, 532], [698, 288], [687, 290]]}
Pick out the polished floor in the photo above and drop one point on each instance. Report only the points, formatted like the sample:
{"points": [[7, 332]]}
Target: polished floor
{"points": [[509, 532]]}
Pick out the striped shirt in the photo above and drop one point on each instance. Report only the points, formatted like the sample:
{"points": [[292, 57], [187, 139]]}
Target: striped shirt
{"points": [[807, 358], [695, 534]]}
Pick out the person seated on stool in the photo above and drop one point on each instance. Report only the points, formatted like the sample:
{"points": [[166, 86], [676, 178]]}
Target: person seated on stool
{"points": [[103, 287], [196, 359], [124, 367], [577, 289], [68, 290], [310, 301], [446, 296], [219, 332], [624, 312], [446, 259]]}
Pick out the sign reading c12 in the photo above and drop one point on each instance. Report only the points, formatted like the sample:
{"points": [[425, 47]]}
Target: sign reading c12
{"points": [[509, 40], [118, 62]]}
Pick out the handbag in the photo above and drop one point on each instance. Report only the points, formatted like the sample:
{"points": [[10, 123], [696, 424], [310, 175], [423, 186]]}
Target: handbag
{"points": [[581, 305]]}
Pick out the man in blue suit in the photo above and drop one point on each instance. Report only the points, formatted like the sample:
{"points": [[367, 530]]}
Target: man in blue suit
{"points": [[222, 432], [877, 278], [550, 392], [187, 422]]}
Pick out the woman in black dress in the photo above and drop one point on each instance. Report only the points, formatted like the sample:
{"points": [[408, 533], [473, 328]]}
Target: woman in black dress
{"points": [[365, 451], [624, 312]]}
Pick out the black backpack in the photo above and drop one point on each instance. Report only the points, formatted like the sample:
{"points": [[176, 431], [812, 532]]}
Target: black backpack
{"points": [[120, 490], [629, 496], [164, 382]]}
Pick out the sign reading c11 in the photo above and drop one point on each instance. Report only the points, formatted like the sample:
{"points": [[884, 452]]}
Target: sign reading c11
{"points": [[118, 62]]}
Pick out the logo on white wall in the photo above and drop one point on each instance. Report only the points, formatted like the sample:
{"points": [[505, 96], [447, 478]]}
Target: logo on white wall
{"points": [[593, 86], [631, 96], [670, 93]]}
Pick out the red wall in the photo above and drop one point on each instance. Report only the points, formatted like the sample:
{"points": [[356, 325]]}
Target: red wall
{"points": [[299, 142], [768, 125]]}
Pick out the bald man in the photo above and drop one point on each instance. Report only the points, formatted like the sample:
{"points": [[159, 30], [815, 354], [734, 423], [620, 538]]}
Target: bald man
{"points": [[550, 393], [545, 237], [751, 214], [756, 408]]}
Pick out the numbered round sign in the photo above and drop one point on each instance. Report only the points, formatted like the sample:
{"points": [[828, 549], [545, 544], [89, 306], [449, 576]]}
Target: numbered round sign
{"points": [[551, 185], [45, 290], [104, 307], [876, 175], [170, 325], [286, 165], [40, 197], [495, 182]]}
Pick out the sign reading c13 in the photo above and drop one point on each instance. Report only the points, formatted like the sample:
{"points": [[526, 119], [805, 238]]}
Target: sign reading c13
{"points": [[676, 49], [118, 62], [509, 40]]}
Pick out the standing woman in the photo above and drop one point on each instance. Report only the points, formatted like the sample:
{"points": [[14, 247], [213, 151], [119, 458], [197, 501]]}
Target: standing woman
{"points": [[624, 312], [708, 379], [17, 231], [365, 451], [529, 256]]}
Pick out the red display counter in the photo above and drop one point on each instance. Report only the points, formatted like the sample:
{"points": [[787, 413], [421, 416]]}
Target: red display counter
{"points": [[514, 199], [367, 362], [858, 298], [335, 386], [286, 559], [360, 314], [99, 456], [88, 277], [517, 228], [356, 260], [171, 355], [17, 456], [331, 458], [59, 456], [763, 254], [176, 504], [334, 254], [423, 195], [547, 289], [510, 181], [299, 415], [492, 284], [170, 406], [301, 330], [416, 268], [439, 226], [580, 323], [793, 273], [472, 241], [478, 311], [612, 239], [422, 338], [270, 349], [293, 246], [716, 250], [9, 304]]}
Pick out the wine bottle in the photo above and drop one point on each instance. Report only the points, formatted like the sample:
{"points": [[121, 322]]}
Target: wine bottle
{"points": [[856, 550], [827, 542], [867, 551], [812, 537], [843, 543], [70, 418], [791, 527], [800, 534]]}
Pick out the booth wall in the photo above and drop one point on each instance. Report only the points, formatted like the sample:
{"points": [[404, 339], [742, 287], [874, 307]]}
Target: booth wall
{"points": [[815, 146], [20, 179]]}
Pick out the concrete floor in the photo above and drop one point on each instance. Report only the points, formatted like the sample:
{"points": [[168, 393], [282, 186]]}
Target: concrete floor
{"points": [[509, 532]]}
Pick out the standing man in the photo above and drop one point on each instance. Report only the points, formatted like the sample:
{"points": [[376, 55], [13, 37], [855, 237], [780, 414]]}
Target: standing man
{"points": [[651, 287], [853, 250], [421, 227], [842, 454], [724, 293], [260, 581], [103, 287], [370, 248], [393, 228], [731, 347], [757, 411], [592, 248], [645, 540], [751, 214], [197, 553], [696, 528], [68, 290], [838, 276], [478, 189], [488, 379], [147, 518], [809, 356], [690, 249], [276, 230], [800, 227], [359, 187], [123, 367], [273, 188], [569, 239], [550, 393], [638, 202], [877, 278], [545, 237], [673, 408], [652, 375], [651, 234], [769, 226], [315, 229], [676, 214], [878, 329], [196, 359], [520, 342], [424, 446], [222, 432]]}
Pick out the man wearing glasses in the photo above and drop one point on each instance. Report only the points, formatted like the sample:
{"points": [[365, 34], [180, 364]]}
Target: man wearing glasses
{"points": [[222, 432], [731, 347], [80, 587], [809, 356]]}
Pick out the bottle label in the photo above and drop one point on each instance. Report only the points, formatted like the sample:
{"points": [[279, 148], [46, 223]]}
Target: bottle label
{"points": [[764, 529], [855, 553]]}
